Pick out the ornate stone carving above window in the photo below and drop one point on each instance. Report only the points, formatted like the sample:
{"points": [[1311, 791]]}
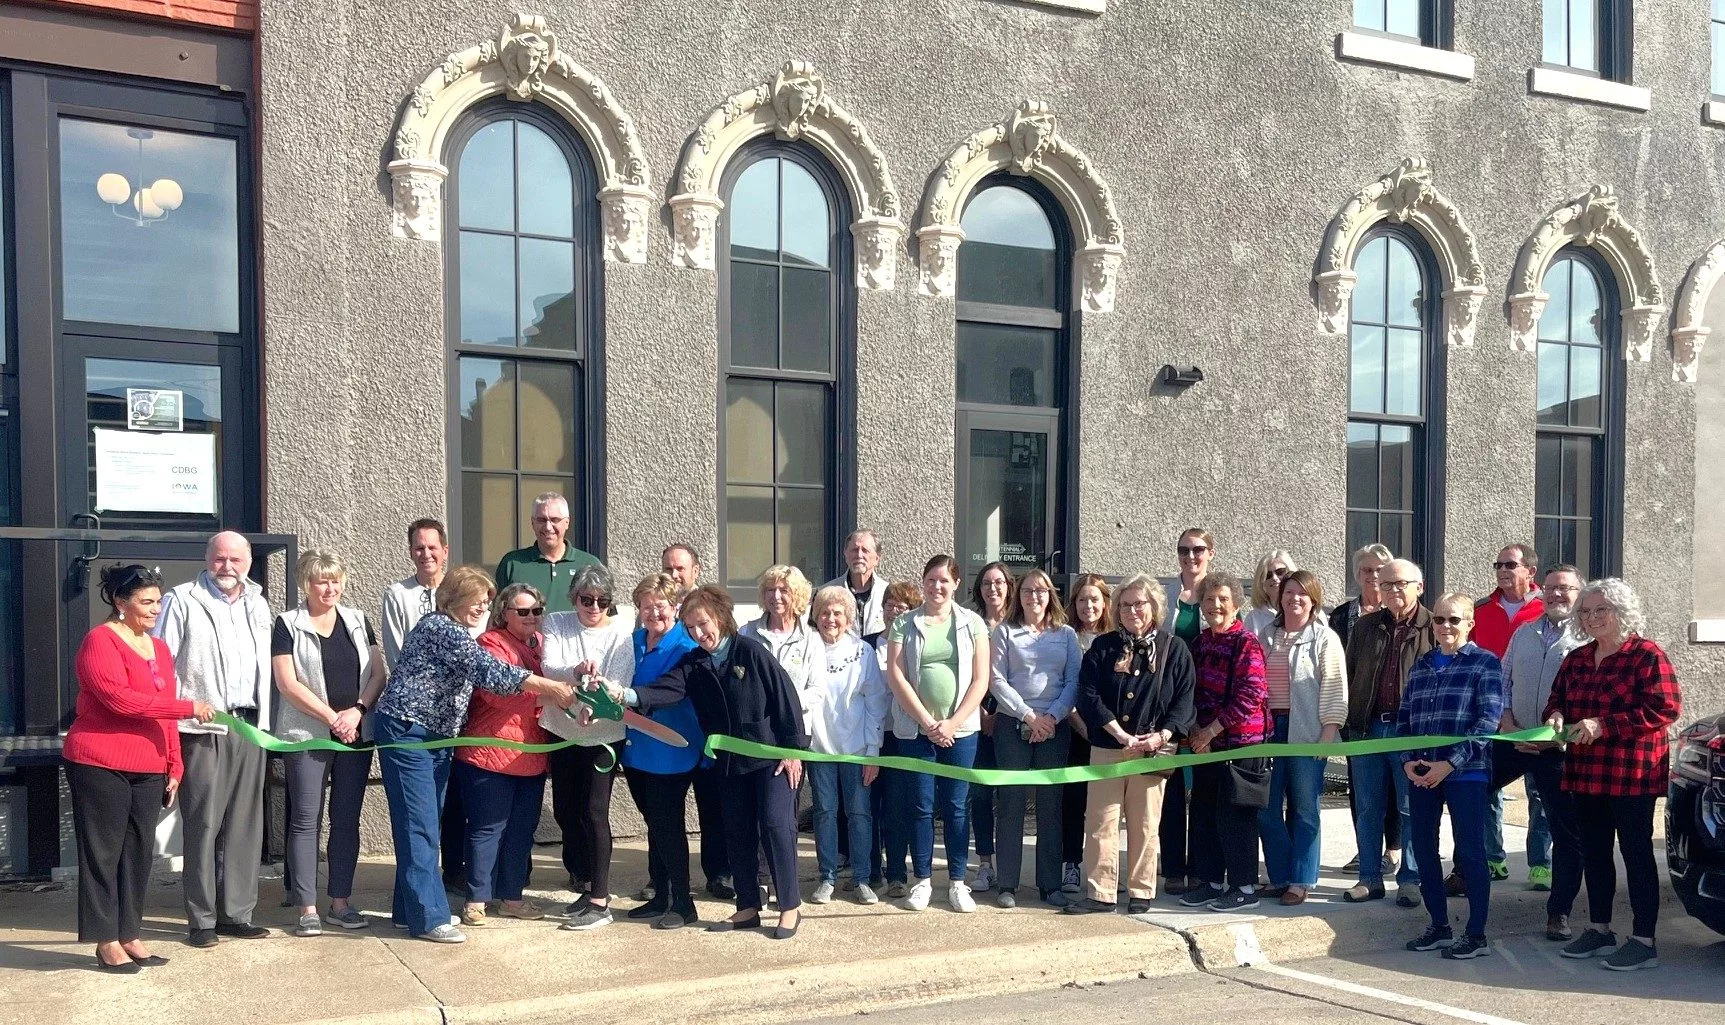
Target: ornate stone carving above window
{"points": [[1406, 196], [1689, 334], [1591, 219], [524, 63], [1025, 142], [793, 104]]}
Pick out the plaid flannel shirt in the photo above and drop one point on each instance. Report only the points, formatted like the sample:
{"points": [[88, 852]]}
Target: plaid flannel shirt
{"points": [[1634, 695], [1462, 699]]}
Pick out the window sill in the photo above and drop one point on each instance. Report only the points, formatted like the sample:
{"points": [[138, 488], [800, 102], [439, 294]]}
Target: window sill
{"points": [[1707, 631], [1713, 112], [1404, 56], [1588, 88], [1079, 6]]}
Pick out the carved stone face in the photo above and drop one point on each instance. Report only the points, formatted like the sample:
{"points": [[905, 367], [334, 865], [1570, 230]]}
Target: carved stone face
{"points": [[625, 224], [796, 93], [416, 205], [1100, 271], [1333, 298], [1029, 134], [1524, 317], [526, 51]]}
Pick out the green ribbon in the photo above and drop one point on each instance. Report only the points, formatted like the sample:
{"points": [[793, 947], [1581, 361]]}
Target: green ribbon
{"points": [[989, 777], [1089, 773], [274, 744]]}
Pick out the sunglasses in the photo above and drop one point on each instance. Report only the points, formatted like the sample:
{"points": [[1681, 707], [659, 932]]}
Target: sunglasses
{"points": [[1449, 620], [1278, 573], [1506, 565], [1192, 551], [532, 613], [589, 602]]}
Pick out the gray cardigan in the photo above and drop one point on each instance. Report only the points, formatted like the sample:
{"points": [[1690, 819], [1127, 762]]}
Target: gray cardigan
{"points": [[970, 631], [191, 629], [293, 724]]}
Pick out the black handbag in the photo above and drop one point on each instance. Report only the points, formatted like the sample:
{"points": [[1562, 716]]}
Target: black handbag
{"points": [[1246, 782]]}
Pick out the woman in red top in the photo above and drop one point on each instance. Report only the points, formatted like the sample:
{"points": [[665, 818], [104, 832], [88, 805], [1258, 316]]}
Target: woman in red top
{"points": [[122, 757], [1615, 696], [501, 789]]}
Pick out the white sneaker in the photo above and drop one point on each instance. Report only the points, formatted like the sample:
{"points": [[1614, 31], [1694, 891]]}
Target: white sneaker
{"points": [[958, 895], [985, 878], [1070, 879], [822, 894], [920, 894], [445, 934], [866, 895]]}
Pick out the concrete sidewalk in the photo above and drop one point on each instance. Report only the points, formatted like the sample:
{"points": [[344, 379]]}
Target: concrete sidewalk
{"points": [[846, 959]]}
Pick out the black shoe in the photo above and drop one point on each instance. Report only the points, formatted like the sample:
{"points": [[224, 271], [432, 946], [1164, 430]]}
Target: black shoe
{"points": [[1137, 906], [153, 961], [729, 926], [1235, 899], [241, 930], [1467, 948], [652, 909], [1433, 938], [126, 967], [721, 888], [781, 932], [1088, 906], [1200, 895], [679, 916], [202, 938], [574, 907]]}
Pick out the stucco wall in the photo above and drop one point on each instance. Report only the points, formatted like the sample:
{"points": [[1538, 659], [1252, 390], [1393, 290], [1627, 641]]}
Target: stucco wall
{"points": [[1230, 135]]}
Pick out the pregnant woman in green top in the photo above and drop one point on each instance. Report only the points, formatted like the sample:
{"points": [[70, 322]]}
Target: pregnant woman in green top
{"points": [[937, 667]]}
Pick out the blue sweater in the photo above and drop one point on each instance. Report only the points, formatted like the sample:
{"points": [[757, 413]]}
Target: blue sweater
{"points": [[1453, 696], [642, 752]]}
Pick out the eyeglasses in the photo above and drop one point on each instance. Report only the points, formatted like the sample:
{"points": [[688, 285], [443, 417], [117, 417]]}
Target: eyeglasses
{"points": [[588, 601], [1506, 565], [1597, 611], [1042, 591], [1395, 585], [1562, 589], [1134, 606], [546, 521], [1449, 620], [994, 585], [1191, 551], [1371, 571], [532, 613]]}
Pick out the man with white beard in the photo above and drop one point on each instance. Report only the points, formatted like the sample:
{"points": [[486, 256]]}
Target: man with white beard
{"points": [[862, 558], [218, 629], [1536, 650]]}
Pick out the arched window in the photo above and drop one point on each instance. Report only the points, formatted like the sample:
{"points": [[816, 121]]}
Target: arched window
{"points": [[523, 301], [785, 315], [1395, 403], [1580, 403], [1014, 377]]}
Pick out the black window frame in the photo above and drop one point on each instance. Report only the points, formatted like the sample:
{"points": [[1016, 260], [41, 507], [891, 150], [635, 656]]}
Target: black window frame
{"points": [[1430, 429], [587, 528], [1605, 553], [842, 466], [1436, 24], [1065, 317], [1716, 53], [1614, 43]]}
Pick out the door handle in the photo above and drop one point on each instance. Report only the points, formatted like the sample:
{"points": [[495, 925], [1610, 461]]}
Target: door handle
{"points": [[92, 551]]}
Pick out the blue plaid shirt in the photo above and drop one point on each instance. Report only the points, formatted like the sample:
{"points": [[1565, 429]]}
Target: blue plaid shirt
{"points": [[1463, 698]]}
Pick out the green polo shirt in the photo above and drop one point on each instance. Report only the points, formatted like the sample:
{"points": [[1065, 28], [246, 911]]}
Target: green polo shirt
{"points": [[530, 566]]}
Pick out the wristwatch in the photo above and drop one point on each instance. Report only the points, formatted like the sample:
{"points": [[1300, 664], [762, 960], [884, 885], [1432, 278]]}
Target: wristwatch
{"points": [[361, 706]]}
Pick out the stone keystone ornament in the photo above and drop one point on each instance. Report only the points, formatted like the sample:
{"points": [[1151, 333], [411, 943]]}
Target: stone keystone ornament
{"points": [[526, 50], [797, 94], [1029, 133]]}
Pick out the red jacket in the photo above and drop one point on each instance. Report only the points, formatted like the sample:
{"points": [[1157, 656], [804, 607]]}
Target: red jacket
{"points": [[1634, 695], [1492, 627], [512, 718], [126, 717]]}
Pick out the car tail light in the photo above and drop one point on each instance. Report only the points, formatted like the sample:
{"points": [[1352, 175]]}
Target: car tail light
{"points": [[1701, 753]]}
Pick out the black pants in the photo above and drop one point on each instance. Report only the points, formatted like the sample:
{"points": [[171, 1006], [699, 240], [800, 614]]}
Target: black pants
{"points": [[1629, 821], [114, 817], [761, 815], [879, 871], [581, 803], [1176, 860], [1224, 835], [1073, 796], [710, 813], [1546, 771], [454, 841], [662, 800]]}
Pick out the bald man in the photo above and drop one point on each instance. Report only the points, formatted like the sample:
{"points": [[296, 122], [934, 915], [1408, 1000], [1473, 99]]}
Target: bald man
{"points": [[218, 629]]}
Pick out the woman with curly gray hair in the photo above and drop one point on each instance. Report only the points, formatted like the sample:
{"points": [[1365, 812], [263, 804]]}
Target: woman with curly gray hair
{"points": [[1613, 700]]}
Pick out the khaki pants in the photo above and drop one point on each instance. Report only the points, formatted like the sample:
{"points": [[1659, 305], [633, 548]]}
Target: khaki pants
{"points": [[1140, 797]]}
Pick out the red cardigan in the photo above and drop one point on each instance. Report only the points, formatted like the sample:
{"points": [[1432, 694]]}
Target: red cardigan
{"points": [[126, 717]]}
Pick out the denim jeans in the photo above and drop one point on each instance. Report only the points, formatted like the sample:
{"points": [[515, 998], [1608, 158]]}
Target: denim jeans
{"points": [[1373, 778], [1467, 804], [830, 780], [414, 782], [920, 794], [502, 816], [1289, 826]]}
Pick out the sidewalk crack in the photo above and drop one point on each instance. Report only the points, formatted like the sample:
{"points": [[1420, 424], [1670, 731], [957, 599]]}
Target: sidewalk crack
{"points": [[442, 1009]]}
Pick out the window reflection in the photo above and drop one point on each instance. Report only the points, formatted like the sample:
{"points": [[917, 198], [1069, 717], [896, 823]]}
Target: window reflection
{"points": [[149, 227]]}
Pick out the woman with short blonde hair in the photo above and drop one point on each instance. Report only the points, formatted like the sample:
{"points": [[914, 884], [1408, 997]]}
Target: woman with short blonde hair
{"points": [[1267, 579], [783, 627]]}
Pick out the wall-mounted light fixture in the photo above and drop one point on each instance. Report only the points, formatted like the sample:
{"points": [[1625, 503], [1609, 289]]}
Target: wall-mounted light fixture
{"points": [[1181, 377], [149, 203]]}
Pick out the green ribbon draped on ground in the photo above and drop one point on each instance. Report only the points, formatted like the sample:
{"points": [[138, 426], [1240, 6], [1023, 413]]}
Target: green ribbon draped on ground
{"points": [[989, 777]]}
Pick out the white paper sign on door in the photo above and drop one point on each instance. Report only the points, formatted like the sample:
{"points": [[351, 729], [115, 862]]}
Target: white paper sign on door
{"points": [[171, 473]]}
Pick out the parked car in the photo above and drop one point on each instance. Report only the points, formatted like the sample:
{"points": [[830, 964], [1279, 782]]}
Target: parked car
{"points": [[1695, 822]]}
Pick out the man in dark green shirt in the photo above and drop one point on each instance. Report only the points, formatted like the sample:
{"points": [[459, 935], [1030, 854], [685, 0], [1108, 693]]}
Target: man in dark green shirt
{"points": [[549, 564]]}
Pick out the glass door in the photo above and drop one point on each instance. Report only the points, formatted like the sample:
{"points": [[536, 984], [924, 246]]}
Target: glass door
{"points": [[1006, 488]]}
